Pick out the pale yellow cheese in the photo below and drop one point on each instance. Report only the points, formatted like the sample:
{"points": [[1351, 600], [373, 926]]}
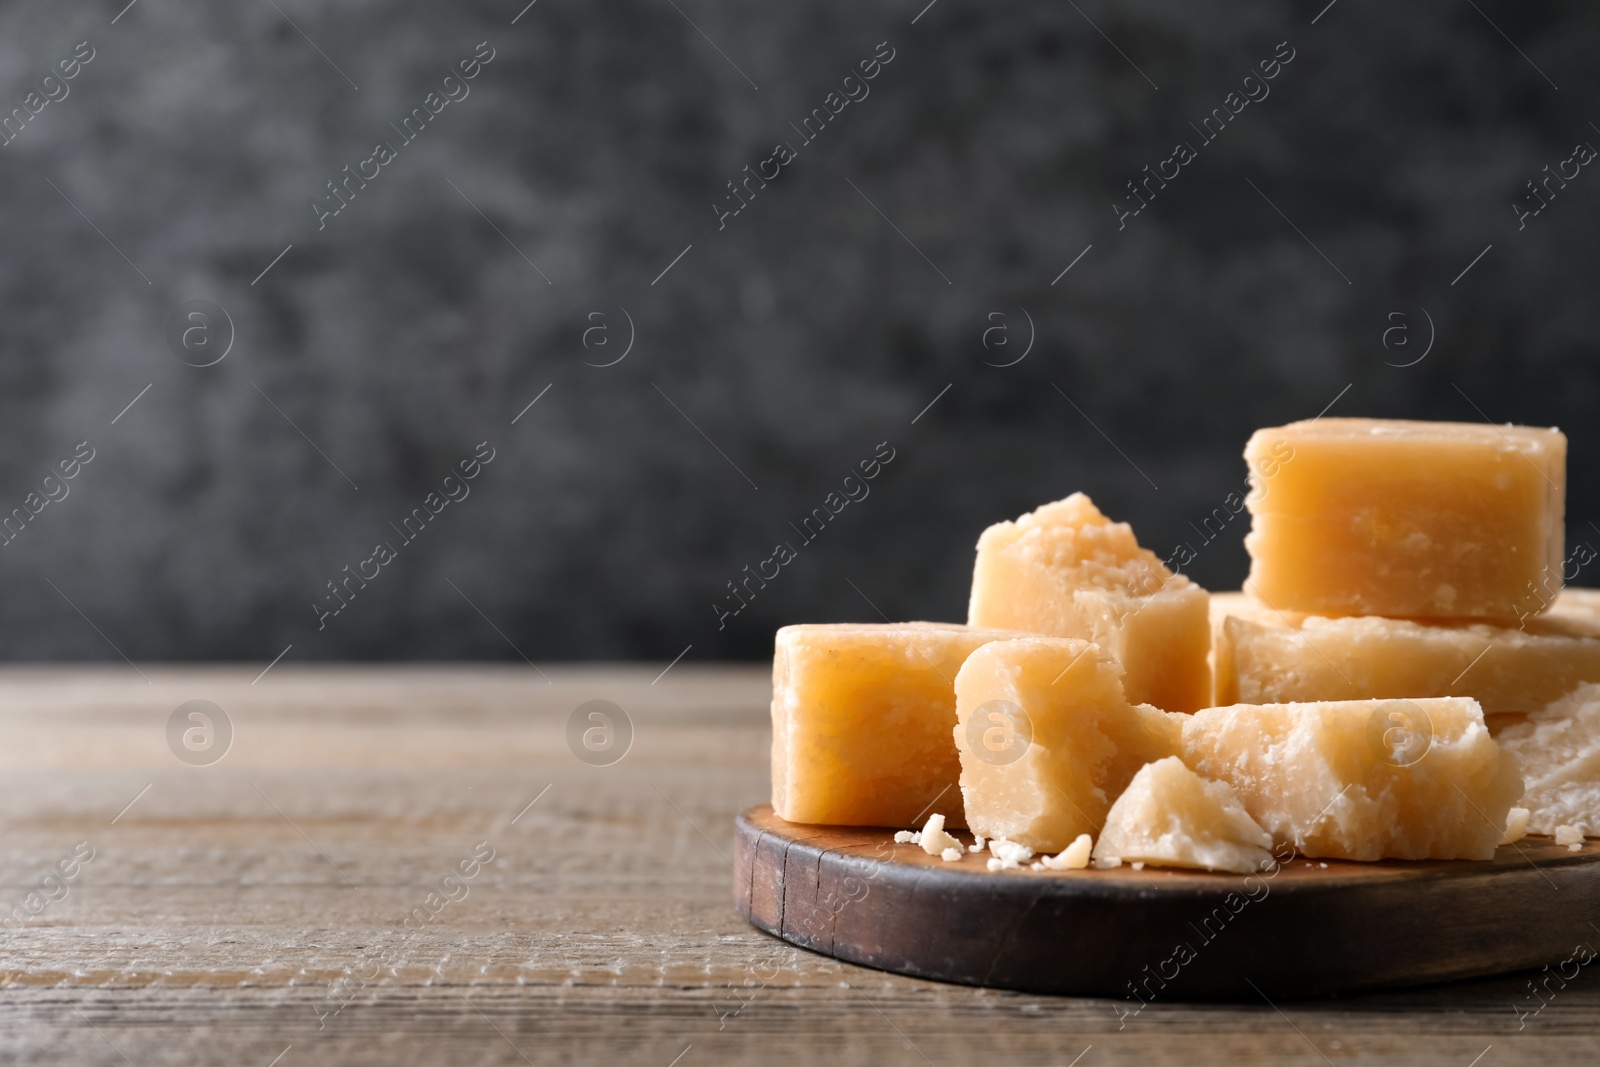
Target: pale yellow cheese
{"points": [[1362, 779], [1065, 570], [1047, 740], [861, 721], [1171, 817], [933, 839], [1418, 519], [1517, 820], [1263, 656], [1075, 857], [1558, 748]]}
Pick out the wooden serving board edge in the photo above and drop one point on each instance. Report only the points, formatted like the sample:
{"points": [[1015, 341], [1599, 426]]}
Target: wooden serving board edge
{"points": [[1306, 930]]}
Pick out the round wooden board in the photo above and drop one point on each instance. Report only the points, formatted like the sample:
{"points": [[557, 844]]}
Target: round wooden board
{"points": [[1303, 930]]}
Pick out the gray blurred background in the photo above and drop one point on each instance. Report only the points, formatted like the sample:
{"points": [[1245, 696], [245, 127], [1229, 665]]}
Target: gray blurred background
{"points": [[851, 293]]}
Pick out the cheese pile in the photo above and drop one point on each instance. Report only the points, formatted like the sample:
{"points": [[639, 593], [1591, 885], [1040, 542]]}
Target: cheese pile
{"points": [[1406, 579]]}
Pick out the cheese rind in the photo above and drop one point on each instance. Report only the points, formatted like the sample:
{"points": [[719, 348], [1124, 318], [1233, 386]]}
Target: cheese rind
{"points": [[1420, 519], [861, 721], [1558, 748], [1263, 656], [1362, 779], [1172, 817], [1082, 741], [1065, 570]]}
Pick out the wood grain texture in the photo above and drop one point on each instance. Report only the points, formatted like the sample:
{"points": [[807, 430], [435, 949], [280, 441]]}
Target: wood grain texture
{"points": [[1298, 929], [258, 904]]}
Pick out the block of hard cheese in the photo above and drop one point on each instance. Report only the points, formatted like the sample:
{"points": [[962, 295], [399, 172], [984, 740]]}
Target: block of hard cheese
{"points": [[1171, 817], [1362, 779], [1558, 749], [1047, 740], [862, 716], [1065, 570], [1389, 517], [1264, 656]]}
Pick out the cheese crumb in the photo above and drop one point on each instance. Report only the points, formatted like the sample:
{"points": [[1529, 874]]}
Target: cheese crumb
{"points": [[1036, 866], [950, 855], [1105, 863], [905, 837], [1075, 857], [977, 845], [1138, 865], [1570, 836], [933, 839], [1008, 855], [1516, 825]]}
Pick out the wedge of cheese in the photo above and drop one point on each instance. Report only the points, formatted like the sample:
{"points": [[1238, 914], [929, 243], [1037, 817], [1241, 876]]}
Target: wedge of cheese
{"points": [[1416, 519], [1264, 656], [1047, 740], [1362, 779], [1169, 816], [1558, 749], [862, 716], [1065, 570]]}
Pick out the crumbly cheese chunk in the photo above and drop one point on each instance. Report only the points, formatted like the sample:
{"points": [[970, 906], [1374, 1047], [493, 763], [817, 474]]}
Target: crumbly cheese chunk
{"points": [[1362, 779], [1008, 855], [1047, 740], [933, 838], [1075, 857], [1267, 656], [1516, 826], [1558, 748], [1402, 518], [1570, 836], [861, 721], [1171, 817], [1065, 570]]}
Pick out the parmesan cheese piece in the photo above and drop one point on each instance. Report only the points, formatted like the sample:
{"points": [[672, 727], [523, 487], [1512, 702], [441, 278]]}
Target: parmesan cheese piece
{"points": [[1516, 826], [1075, 857], [1362, 779], [1388, 517], [1046, 739], [934, 840], [1009, 855], [861, 721], [1172, 817], [1065, 570], [1265, 656], [1558, 748], [1570, 836]]}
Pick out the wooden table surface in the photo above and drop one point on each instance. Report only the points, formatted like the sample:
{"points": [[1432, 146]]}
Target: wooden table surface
{"points": [[255, 907]]}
